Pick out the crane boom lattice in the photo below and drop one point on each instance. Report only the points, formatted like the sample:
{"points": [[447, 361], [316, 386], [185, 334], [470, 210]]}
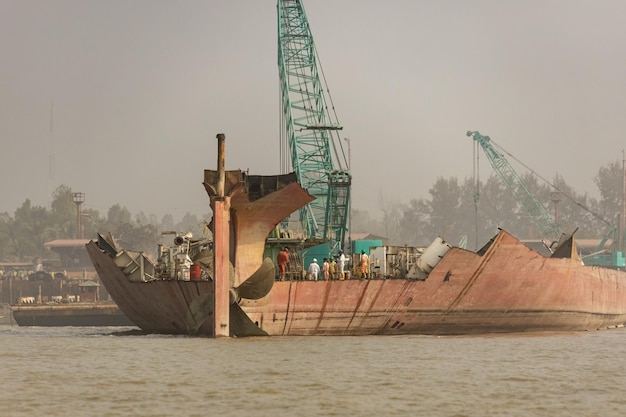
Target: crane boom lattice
{"points": [[309, 129], [538, 213]]}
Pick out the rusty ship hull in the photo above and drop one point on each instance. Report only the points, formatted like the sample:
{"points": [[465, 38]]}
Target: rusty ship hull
{"points": [[503, 287], [508, 288]]}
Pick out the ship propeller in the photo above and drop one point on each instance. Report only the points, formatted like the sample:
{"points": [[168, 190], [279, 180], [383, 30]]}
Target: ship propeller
{"points": [[257, 286]]}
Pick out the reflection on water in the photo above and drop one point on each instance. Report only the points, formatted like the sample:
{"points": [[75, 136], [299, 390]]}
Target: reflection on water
{"points": [[113, 372]]}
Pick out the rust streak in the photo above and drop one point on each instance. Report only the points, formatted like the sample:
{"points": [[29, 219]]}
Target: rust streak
{"points": [[568, 276], [485, 259], [327, 285], [394, 307], [356, 308], [287, 317], [380, 287]]}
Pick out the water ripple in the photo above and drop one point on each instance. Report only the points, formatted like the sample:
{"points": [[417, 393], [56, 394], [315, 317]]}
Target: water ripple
{"points": [[107, 372]]}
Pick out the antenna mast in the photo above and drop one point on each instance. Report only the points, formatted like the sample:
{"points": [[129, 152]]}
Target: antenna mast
{"points": [[51, 164]]}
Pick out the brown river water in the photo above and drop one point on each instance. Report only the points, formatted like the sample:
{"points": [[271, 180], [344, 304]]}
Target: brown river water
{"points": [[113, 372]]}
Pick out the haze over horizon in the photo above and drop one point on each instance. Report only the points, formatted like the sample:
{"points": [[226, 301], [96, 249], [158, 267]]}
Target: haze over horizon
{"points": [[126, 97]]}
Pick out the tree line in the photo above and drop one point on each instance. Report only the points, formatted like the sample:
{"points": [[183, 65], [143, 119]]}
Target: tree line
{"points": [[462, 210], [23, 235], [456, 210]]}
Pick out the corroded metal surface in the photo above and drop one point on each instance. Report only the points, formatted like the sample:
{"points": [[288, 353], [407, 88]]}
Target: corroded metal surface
{"points": [[246, 209], [504, 287], [510, 288], [257, 204], [156, 306]]}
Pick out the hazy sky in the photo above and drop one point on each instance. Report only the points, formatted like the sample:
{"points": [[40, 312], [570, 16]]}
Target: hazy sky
{"points": [[139, 90]]}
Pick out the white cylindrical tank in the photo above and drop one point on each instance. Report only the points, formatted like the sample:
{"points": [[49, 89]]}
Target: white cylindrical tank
{"points": [[433, 254]]}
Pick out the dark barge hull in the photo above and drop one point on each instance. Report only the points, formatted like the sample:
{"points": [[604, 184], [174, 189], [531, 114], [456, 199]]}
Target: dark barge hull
{"points": [[87, 314]]}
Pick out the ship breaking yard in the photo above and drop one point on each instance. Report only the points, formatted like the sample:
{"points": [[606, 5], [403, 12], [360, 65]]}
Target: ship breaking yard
{"points": [[228, 283], [249, 274], [503, 287]]}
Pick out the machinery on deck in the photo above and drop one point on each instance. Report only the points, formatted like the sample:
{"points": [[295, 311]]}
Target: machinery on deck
{"points": [[311, 132]]}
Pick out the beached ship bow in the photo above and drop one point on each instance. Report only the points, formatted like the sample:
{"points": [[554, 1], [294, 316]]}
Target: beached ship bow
{"points": [[163, 298]]}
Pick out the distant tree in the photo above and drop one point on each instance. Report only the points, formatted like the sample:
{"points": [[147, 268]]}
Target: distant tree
{"points": [[573, 211], [361, 220], [506, 211], [527, 222], [415, 224], [138, 237], [450, 211], [609, 182], [445, 207], [116, 217], [450, 214], [7, 244], [63, 213], [152, 219], [472, 221], [167, 222], [391, 216], [31, 231], [493, 208], [189, 223], [142, 218], [92, 223]]}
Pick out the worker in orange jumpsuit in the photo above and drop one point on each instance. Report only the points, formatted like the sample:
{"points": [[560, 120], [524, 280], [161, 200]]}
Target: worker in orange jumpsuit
{"points": [[364, 265], [282, 260]]}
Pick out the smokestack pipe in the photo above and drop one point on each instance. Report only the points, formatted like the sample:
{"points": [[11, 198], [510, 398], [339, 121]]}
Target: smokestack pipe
{"points": [[221, 164]]}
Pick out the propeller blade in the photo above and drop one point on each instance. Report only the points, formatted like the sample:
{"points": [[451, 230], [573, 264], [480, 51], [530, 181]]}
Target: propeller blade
{"points": [[259, 284], [241, 325]]}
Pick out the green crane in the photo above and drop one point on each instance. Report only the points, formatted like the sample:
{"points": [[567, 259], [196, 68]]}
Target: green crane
{"points": [[312, 132], [538, 213]]}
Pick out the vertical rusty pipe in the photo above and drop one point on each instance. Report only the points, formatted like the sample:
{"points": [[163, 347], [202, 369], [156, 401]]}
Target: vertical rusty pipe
{"points": [[221, 245], [221, 164]]}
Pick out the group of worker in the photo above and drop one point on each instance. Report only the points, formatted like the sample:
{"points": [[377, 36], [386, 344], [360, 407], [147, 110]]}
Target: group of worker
{"points": [[331, 268], [15, 274]]}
